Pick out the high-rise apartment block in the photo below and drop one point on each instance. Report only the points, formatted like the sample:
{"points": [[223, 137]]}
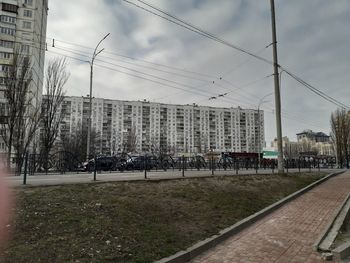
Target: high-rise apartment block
{"points": [[171, 128], [23, 30]]}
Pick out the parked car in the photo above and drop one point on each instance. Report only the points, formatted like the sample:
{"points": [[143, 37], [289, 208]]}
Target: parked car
{"points": [[139, 163], [103, 163]]}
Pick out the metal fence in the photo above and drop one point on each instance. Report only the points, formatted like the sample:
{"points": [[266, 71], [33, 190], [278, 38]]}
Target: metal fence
{"points": [[64, 162]]}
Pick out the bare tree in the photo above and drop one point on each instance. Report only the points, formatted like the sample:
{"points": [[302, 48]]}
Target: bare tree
{"points": [[22, 109], [76, 143], [340, 134], [154, 146], [130, 143], [55, 79]]}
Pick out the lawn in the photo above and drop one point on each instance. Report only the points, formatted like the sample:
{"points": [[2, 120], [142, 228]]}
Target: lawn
{"points": [[343, 234], [136, 221]]}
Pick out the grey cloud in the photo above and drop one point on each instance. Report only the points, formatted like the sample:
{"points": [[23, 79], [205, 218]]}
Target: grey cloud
{"points": [[313, 40]]}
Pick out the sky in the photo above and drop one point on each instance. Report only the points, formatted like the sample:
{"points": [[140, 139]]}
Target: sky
{"points": [[313, 41]]}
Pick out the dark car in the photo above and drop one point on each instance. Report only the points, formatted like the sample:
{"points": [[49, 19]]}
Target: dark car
{"points": [[139, 163], [103, 163]]}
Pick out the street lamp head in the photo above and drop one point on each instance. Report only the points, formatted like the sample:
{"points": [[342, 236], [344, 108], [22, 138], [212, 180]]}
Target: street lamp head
{"points": [[106, 36]]}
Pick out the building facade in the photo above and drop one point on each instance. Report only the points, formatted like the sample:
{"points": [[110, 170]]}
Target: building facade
{"points": [[23, 31], [315, 137], [307, 141], [164, 127]]}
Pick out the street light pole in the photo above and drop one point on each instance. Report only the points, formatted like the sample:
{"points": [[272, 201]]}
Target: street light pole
{"points": [[90, 98], [261, 101]]}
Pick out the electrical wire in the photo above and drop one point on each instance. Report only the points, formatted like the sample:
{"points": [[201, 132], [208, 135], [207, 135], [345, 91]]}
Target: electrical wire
{"points": [[78, 52], [194, 29], [182, 23], [229, 100], [163, 79], [182, 84], [141, 60], [316, 91]]}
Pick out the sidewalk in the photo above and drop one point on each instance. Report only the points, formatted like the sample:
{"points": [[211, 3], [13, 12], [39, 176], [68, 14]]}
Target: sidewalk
{"points": [[289, 233], [74, 178]]}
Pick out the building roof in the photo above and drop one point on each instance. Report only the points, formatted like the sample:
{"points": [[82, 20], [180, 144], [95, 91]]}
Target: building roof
{"points": [[321, 134], [166, 104], [317, 134]]}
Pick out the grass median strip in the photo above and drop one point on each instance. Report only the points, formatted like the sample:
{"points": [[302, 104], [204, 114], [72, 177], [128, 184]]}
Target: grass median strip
{"points": [[136, 221]]}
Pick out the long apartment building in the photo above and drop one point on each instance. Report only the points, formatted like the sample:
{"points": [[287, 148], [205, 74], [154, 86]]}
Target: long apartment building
{"points": [[171, 128]]}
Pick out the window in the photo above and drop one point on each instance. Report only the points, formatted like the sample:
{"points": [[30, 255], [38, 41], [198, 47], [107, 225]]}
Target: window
{"points": [[4, 68], [27, 13], [9, 8], [28, 2], [26, 36], [8, 19], [5, 55], [2, 80], [27, 25], [6, 44], [8, 31], [25, 48]]}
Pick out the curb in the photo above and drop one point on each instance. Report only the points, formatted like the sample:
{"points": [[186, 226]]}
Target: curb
{"points": [[132, 180], [90, 181], [328, 228], [202, 246]]}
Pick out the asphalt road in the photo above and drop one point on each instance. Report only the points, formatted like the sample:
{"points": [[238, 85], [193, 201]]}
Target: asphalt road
{"points": [[74, 178]]}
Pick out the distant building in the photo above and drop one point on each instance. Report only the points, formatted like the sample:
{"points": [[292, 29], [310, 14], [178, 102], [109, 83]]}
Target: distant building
{"points": [[307, 141], [290, 148], [285, 142], [171, 128], [313, 136]]}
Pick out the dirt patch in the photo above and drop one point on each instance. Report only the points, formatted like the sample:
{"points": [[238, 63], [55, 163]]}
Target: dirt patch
{"points": [[136, 221], [344, 233]]}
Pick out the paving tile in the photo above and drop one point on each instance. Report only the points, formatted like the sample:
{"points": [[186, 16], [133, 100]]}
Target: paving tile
{"points": [[287, 234]]}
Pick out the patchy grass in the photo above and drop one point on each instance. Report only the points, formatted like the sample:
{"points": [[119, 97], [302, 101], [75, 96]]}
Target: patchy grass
{"points": [[343, 234], [136, 221]]}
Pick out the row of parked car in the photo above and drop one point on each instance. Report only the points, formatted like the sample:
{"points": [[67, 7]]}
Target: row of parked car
{"points": [[127, 162]]}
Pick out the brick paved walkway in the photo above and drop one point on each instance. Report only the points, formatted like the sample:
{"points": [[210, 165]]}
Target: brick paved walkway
{"points": [[288, 234]]}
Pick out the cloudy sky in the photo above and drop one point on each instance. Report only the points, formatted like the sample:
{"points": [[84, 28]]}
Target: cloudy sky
{"points": [[174, 65]]}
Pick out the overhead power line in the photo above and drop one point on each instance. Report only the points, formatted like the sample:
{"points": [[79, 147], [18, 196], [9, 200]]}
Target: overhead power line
{"points": [[203, 93], [182, 23], [316, 91], [215, 81], [78, 52], [141, 60], [137, 76], [175, 87], [142, 73], [231, 89], [196, 91]]}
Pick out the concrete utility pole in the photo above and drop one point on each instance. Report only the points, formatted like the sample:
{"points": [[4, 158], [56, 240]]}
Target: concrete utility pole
{"points": [[90, 98], [277, 90]]}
